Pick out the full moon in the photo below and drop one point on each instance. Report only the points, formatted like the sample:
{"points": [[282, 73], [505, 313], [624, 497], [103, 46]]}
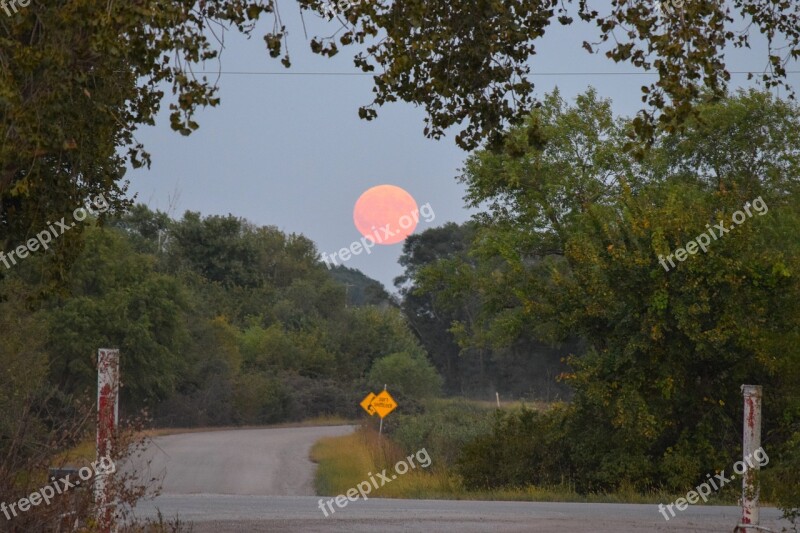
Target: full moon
{"points": [[386, 214]]}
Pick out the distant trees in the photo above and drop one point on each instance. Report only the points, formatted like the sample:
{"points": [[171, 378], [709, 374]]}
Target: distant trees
{"points": [[218, 321], [360, 289], [116, 299], [443, 309]]}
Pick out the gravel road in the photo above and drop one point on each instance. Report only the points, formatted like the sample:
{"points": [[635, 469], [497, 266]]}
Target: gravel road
{"points": [[265, 462], [260, 480]]}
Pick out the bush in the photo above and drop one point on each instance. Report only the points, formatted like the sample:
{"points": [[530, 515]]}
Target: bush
{"points": [[412, 375], [259, 399], [524, 447], [780, 480], [211, 405], [309, 398], [443, 429]]}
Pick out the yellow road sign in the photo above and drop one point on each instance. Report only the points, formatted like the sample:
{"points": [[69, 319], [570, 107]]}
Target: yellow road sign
{"points": [[365, 403], [383, 404]]}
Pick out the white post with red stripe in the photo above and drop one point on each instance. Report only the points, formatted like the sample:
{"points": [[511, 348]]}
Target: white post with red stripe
{"points": [[107, 419], [751, 441]]}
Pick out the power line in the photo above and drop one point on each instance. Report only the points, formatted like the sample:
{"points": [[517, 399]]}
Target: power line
{"points": [[264, 73], [243, 73]]}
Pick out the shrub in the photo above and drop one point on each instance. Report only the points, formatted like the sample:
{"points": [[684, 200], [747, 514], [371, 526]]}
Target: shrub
{"points": [[259, 399], [443, 428], [524, 447], [410, 374], [780, 480]]}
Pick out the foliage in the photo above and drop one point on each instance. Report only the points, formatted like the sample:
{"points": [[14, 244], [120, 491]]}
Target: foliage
{"points": [[443, 428], [570, 245], [781, 480], [218, 322], [36, 417], [116, 299], [470, 63], [440, 308], [410, 374], [365, 334], [361, 290], [78, 79], [524, 447]]}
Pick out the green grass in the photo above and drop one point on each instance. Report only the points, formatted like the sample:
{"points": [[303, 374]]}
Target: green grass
{"points": [[81, 455], [536, 405], [344, 462]]}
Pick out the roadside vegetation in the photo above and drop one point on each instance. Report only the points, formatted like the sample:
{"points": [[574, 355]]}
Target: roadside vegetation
{"points": [[477, 453], [343, 462]]}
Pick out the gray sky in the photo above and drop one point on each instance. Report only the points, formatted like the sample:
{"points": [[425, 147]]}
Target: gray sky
{"points": [[290, 150]]}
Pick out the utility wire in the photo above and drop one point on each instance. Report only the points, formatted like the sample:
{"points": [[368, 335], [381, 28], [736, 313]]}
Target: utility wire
{"points": [[264, 73]]}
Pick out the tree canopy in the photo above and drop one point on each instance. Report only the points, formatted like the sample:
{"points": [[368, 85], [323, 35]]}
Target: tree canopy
{"points": [[574, 241], [78, 78]]}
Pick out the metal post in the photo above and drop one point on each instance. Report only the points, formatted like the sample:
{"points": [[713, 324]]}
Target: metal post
{"points": [[380, 429], [497, 395], [751, 441], [107, 418]]}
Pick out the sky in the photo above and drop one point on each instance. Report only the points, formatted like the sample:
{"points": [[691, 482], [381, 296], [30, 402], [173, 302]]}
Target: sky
{"points": [[288, 150]]}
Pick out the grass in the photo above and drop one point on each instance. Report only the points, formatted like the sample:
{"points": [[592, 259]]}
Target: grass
{"points": [[81, 455], [536, 405], [344, 462]]}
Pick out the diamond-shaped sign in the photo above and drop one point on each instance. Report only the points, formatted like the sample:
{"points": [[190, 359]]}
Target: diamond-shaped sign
{"points": [[383, 404], [365, 403]]}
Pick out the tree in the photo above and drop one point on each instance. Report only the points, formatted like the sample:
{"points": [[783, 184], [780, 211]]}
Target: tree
{"points": [[443, 305], [35, 416], [117, 300], [411, 375], [76, 81], [468, 62], [360, 289], [582, 227], [364, 334], [433, 310]]}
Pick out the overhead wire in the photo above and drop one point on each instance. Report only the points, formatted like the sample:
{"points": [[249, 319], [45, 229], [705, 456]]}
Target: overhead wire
{"points": [[273, 73]]}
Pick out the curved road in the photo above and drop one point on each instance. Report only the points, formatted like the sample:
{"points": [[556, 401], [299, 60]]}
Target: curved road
{"points": [[265, 462], [260, 480]]}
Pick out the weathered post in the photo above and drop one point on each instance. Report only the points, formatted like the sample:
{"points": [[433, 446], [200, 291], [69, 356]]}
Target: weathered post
{"points": [[107, 418], [380, 431], [751, 441]]}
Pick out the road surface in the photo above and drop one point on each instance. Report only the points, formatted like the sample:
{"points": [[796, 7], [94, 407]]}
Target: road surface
{"points": [[265, 462], [260, 480]]}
